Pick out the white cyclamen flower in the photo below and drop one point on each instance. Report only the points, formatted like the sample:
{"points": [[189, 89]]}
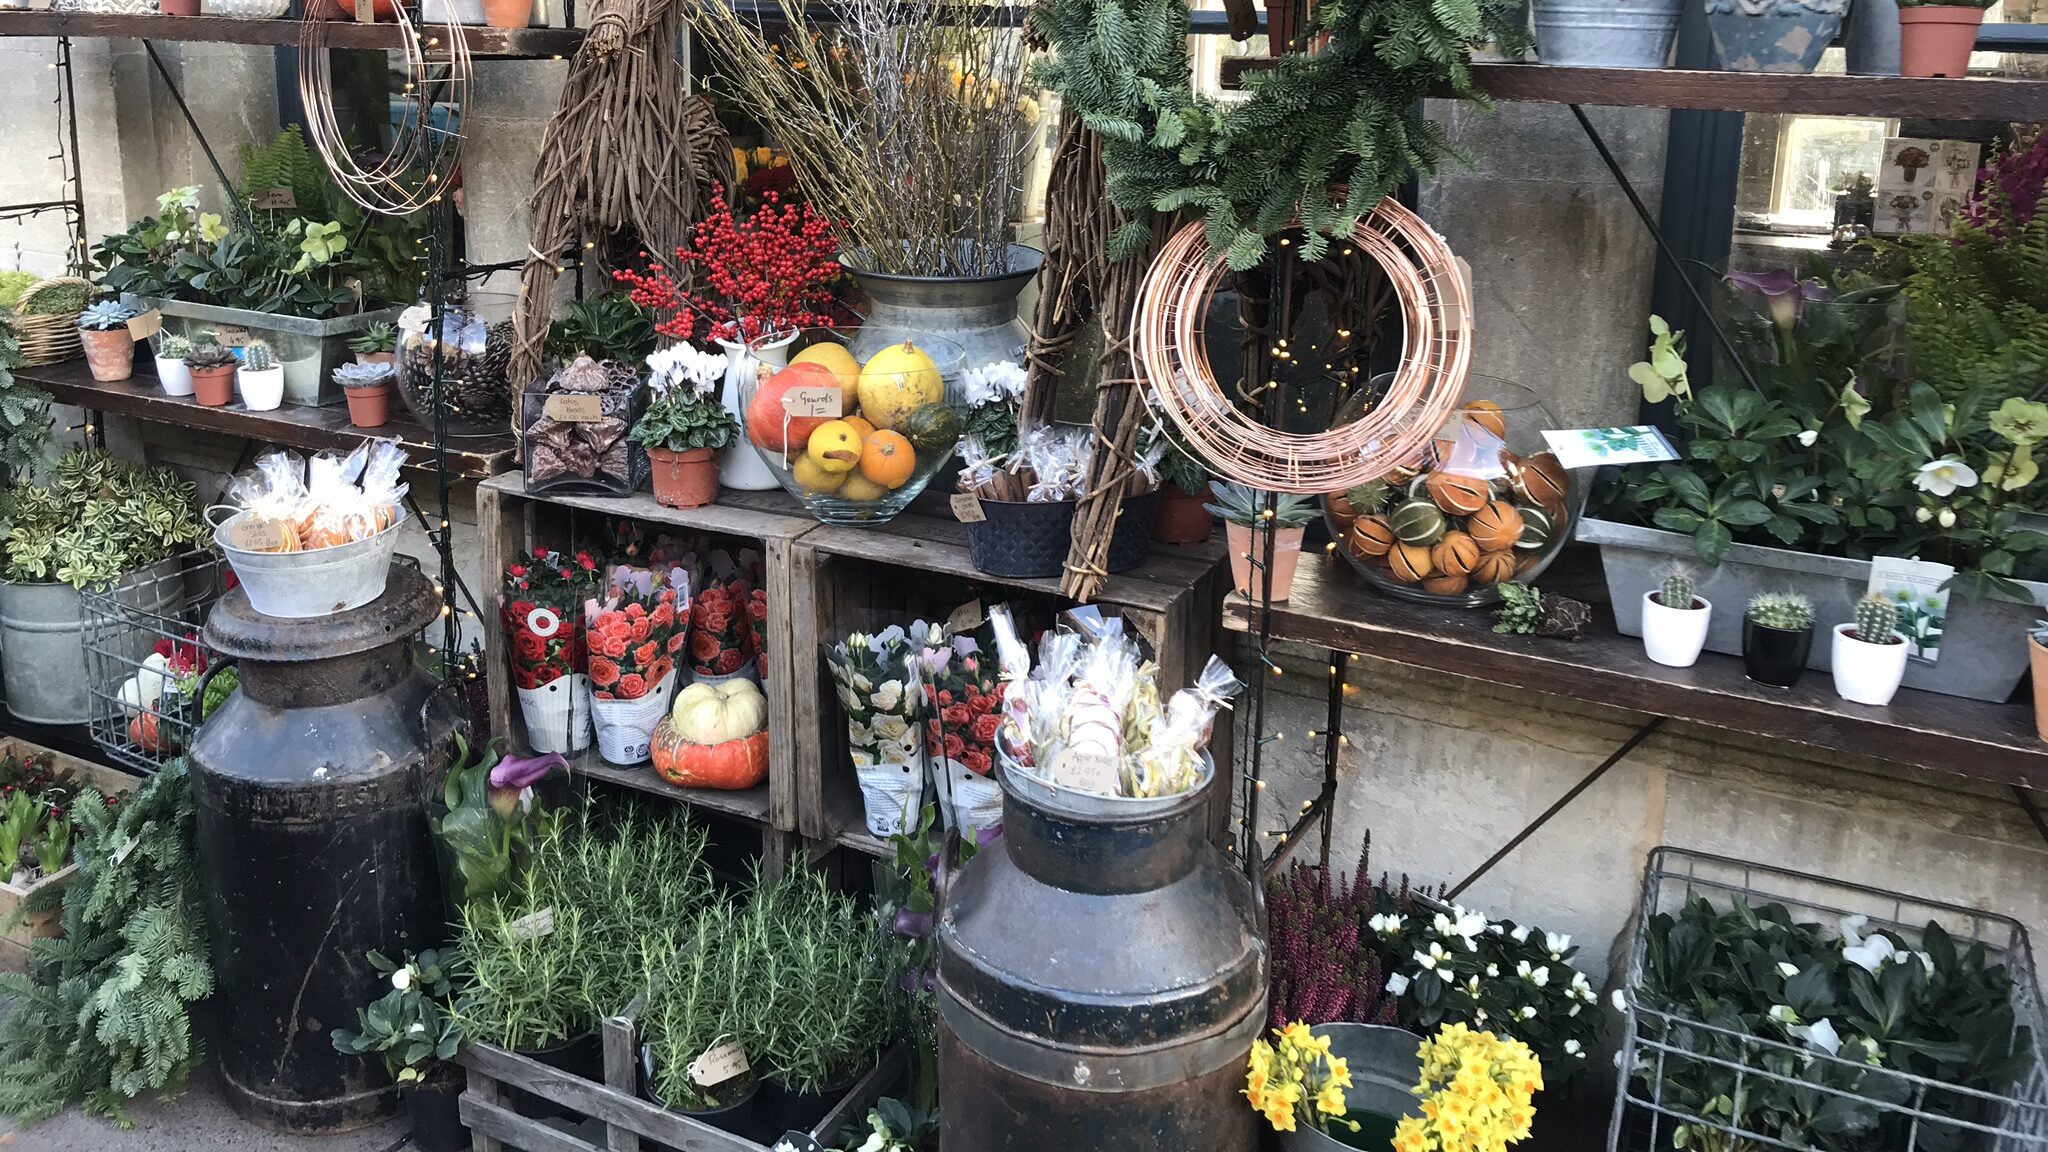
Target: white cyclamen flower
{"points": [[1872, 953], [1783, 1014], [875, 1143], [1541, 976], [1821, 1034], [1430, 959], [1397, 984], [1383, 924], [1472, 987], [999, 383], [1787, 969], [1492, 970], [1520, 934], [1942, 477], [1807, 437], [1576, 1008], [1523, 970], [1528, 1012], [1852, 929]]}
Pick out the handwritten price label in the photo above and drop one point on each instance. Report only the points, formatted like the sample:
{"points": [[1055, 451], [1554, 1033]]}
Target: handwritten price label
{"points": [[231, 336], [575, 409], [274, 199], [967, 508], [820, 401], [717, 1065], [146, 325], [533, 925], [1088, 771]]}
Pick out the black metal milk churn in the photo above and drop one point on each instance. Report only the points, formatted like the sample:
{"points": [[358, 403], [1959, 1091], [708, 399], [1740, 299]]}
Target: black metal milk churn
{"points": [[1101, 977], [314, 845]]}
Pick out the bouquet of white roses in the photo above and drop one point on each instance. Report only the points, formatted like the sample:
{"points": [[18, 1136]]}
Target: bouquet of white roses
{"points": [[873, 677]]}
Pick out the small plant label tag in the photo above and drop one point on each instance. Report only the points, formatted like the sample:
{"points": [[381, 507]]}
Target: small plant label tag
{"points": [[819, 401], [231, 336], [719, 1064], [967, 508], [148, 324], [1088, 771], [533, 925], [966, 618], [584, 409], [366, 11], [274, 199], [127, 846]]}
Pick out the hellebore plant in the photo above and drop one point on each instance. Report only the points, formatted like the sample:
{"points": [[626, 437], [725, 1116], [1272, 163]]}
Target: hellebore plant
{"points": [[410, 1025], [490, 823]]}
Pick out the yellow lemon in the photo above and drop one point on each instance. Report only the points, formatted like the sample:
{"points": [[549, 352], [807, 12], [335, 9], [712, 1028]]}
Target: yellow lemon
{"points": [[835, 359], [811, 478], [897, 381], [834, 447]]}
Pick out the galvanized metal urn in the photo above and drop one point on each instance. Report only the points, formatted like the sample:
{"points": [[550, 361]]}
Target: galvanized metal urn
{"points": [[314, 844], [1101, 977]]}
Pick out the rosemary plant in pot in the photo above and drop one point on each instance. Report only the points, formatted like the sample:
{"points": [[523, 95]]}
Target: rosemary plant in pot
{"points": [[702, 988], [1250, 519], [109, 346], [685, 426], [1777, 636]]}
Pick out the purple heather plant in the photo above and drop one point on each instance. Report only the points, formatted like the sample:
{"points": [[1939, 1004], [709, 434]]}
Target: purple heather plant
{"points": [[1326, 961]]}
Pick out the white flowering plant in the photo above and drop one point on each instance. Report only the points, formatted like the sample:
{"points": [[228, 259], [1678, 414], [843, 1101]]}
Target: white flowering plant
{"points": [[995, 398], [1453, 965], [1831, 1009], [410, 1025], [872, 676]]}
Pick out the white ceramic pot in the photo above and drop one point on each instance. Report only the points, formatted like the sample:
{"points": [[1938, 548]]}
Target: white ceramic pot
{"points": [[1673, 636], [172, 373], [261, 391], [739, 466], [1867, 673]]}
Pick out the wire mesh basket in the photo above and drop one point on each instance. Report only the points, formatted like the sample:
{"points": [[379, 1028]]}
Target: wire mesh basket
{"points": [[144, 658], [1701, 1087]]}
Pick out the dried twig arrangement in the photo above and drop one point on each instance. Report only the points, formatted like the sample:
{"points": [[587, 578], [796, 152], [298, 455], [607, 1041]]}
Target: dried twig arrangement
{"points": [[1080, 286], [907, 122], [626, 150]]}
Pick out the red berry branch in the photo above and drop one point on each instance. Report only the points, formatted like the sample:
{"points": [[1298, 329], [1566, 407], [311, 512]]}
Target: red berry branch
{"points": [[768, 274]]}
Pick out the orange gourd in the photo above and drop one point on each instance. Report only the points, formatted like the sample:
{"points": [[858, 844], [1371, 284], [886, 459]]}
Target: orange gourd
{"points": [[731, 766], [886, 458]]}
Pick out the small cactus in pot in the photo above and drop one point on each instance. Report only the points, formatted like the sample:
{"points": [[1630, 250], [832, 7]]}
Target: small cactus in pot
{"points": [[1877, 621], [1675, 619], [1777, 637], [1869, 655], [1676, 592], [257, 358], [262, 378]]}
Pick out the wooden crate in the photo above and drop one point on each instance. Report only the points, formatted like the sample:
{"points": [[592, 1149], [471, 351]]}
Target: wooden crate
{"points": [[917, 566], [14, 941], [627, 1118], [513, 524]]}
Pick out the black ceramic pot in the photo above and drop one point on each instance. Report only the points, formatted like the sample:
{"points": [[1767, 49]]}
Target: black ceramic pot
{"points": [[435, 1115], [736, 1117], [582, 1057], [784, 1109], [1774, 656], [1020, 538]]}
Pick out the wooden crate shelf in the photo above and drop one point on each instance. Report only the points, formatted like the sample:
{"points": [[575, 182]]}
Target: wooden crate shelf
{"points": [[1331, 608], [1972, 98], [291, 426], [539, 43]]}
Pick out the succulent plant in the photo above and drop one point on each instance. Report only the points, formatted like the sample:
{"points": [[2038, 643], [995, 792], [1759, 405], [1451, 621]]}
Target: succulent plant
{"points": [[174, 348], [105, 316], [1877, 620], [363, 375], [207, 355], [379, 337], [1784, 610], [257, 358], [1240, 504], [1677, 590]]}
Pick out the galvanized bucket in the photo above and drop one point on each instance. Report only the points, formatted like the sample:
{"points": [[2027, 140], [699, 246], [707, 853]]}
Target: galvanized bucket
{"points": [[304, 585], [1606, 33], [1026, 782], [1789, 36], [1385, 1067], [42, 646]]}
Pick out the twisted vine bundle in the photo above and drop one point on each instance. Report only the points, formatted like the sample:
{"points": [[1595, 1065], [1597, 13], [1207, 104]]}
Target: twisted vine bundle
{"points": [[1348, 114], [626, 150]]}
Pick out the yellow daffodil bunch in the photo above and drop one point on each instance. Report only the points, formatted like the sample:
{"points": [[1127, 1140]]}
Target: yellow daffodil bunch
{"points": [[1295, 1081], [1476, 1090]]}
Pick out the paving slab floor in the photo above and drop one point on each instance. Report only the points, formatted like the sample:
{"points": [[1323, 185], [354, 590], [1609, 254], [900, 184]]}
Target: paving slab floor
{"points": [[198, 1120]]}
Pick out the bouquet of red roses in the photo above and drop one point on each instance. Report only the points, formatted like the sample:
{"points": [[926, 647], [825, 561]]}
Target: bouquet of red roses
{"points": [[757, 630], [636, 631], [541, 606], [963, 702], [721, 633]]}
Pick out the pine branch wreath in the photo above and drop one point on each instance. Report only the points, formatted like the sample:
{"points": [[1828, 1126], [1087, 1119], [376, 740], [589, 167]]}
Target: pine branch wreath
{"points": [[1347, 114]]}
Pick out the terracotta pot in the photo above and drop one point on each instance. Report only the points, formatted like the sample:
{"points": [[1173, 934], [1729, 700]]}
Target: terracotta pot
{"points": [[214, 387], [370, 405], [1182, 519], [178, 7], [508, 13], [110, 354], [1936, 40], [344, 9], [377, 358], [1247, 546], [684, 479], [2037, 658]]}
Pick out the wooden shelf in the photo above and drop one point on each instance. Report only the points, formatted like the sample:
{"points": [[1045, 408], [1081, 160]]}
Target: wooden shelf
{"points": [[291, 426], [1975, 98], [751, 805], [534, 43], [1330, 607]]}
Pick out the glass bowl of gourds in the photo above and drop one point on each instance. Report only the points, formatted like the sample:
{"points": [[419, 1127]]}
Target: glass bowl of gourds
{"points": [[854, 426], [1486, 504]]}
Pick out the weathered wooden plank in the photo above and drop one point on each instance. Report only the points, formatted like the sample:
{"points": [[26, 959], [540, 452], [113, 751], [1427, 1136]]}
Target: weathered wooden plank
{"points": [[527, 42], [784, 754], [482, 1090], [934, 545], [751, 804], [757, 515], [1331, 608], [501, 529], [852, 1108], [606, 1104], [493, 1127], [621, 1074]]}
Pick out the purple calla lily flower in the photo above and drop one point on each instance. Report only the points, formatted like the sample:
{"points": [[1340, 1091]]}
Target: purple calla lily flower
{"points": [[1783, 292], [913, 925], [512, 772], [983, 837]]}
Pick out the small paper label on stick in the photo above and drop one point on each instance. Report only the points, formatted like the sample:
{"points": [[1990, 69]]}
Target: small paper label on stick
{"points": [[146, 325], [1087, 771], [818, 401], [568, 409], [533, 925], [717, 1065], [274, 199], [966, 618], [231, 336], [967, 508]]}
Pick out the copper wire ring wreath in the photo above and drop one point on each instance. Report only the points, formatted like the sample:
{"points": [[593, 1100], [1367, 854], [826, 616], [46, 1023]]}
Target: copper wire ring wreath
{"points": [[1436, 312], [422, 158]]}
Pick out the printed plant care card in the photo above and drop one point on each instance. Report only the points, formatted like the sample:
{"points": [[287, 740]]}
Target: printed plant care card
{"points": [[1915, 588], [1592, 447]]}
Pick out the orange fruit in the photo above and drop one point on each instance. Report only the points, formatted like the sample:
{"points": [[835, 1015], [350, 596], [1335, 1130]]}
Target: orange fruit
{"points": [[886, 458], [1494, 568], [1409, 562], [1454, 555], [1487, 415], [1497, 527]]}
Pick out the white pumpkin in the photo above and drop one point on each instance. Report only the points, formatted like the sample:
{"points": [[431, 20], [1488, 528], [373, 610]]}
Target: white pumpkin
{"points": [[691, 694], [145, 690], [733, 710]]}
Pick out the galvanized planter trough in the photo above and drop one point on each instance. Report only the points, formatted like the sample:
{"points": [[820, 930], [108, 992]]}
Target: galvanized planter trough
{"points": [[1983, 648], [629, 1120], [308, 348]]}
